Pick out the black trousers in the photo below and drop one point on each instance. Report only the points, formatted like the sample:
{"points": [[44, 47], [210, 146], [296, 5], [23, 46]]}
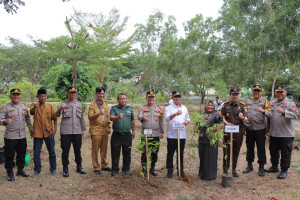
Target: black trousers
{"points": [[172, 146], [11, 147], [258, 137], [66, 141], [152, 144], [117, 142], [285, 145], [237, 143]]}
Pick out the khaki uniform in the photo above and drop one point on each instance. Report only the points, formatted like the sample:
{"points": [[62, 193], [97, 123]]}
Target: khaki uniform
{"points": [[98, 130], [231, 112]]}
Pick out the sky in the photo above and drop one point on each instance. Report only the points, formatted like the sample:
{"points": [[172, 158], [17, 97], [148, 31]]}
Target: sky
{"points": [[44, 19]]}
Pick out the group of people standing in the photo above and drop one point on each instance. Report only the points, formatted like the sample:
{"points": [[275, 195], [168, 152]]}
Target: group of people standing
{"points": [[250, 117], [257, 118]]}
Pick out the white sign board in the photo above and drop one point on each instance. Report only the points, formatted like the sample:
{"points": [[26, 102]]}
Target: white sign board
{"points": [[179, 126], [231, 129], [147, 131]]}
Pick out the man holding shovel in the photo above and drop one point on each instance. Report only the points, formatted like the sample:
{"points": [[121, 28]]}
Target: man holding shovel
{"points": [[176, 114]]}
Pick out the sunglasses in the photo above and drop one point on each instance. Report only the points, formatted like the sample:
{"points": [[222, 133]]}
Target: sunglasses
{"points": [[177, 96]]}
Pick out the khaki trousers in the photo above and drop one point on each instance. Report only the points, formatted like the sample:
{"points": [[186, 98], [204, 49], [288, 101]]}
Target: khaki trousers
{"points": [[99, 142]]}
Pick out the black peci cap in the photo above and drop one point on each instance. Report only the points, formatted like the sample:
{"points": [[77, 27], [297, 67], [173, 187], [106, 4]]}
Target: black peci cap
{"points": [[41, 91], [150, 94]]}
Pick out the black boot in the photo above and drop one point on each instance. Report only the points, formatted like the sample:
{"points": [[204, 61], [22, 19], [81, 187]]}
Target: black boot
{"points": [[10, 176], [249, 168], [261, 170], [153, 172], [21, 172], [80, 170], [65, 171], [272, 169], [170, 173], [282, 174]]}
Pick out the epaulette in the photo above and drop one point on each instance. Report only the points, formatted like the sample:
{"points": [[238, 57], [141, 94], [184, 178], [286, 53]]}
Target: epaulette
{"points": [[242, 103], [226, 102]]}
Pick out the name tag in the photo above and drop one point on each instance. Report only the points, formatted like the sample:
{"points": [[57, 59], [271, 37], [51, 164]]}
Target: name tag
{"points": [[179, 126], [231, 129], [147, 131]]}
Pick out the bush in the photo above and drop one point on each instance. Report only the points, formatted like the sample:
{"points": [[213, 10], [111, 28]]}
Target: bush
{"points": [[84, 82], [4, 99], [54, 100]]}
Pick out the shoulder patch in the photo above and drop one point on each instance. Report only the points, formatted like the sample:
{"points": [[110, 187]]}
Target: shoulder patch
{"points": [[294, 107]]}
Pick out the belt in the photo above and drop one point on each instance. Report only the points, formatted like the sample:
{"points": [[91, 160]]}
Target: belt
{"points": [[124, 133]]}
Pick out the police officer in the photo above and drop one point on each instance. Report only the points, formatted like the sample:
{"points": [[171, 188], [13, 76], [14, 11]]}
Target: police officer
{"points": [[71, 129], [282, 132], [13, 115], [256, 129], [123, 120], [233, 113], [151, 116]]}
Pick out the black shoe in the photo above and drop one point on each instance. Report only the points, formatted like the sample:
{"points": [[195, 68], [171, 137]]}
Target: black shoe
{"points": [[282, 175], [234, 174], [272, 169], [22, 173], [35, 173], [126, 172], [80, 170], [65, 173], [170, 173], [98, 172], [107, 169], [261, 171], [181, 174], [153, 172], [10, 176], [113, 173], [248, 169]]}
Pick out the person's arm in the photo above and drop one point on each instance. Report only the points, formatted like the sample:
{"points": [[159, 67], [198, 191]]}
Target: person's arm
{"points": [[91, 113], [291, 112], [133, 129], [224, 119], [33, 107], [28, 122], [108, 120], [186, 117]]}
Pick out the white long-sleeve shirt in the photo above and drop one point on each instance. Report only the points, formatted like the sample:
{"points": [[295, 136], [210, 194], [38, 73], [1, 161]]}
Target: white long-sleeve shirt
{"points": [[179, 119]]}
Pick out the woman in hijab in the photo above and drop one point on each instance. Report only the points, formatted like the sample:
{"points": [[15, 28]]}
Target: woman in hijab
{"points": [[208, 154]]}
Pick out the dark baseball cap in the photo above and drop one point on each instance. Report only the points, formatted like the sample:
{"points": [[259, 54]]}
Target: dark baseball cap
{"points": [[257, 87], [15, 91], [72, 89], [280, 88], [234, 91], [150, 94], [176, 93]]}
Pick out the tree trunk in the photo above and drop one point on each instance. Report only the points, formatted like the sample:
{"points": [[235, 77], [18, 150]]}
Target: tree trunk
{"points": [[101, 75], [74, 75], [275, 77]]}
